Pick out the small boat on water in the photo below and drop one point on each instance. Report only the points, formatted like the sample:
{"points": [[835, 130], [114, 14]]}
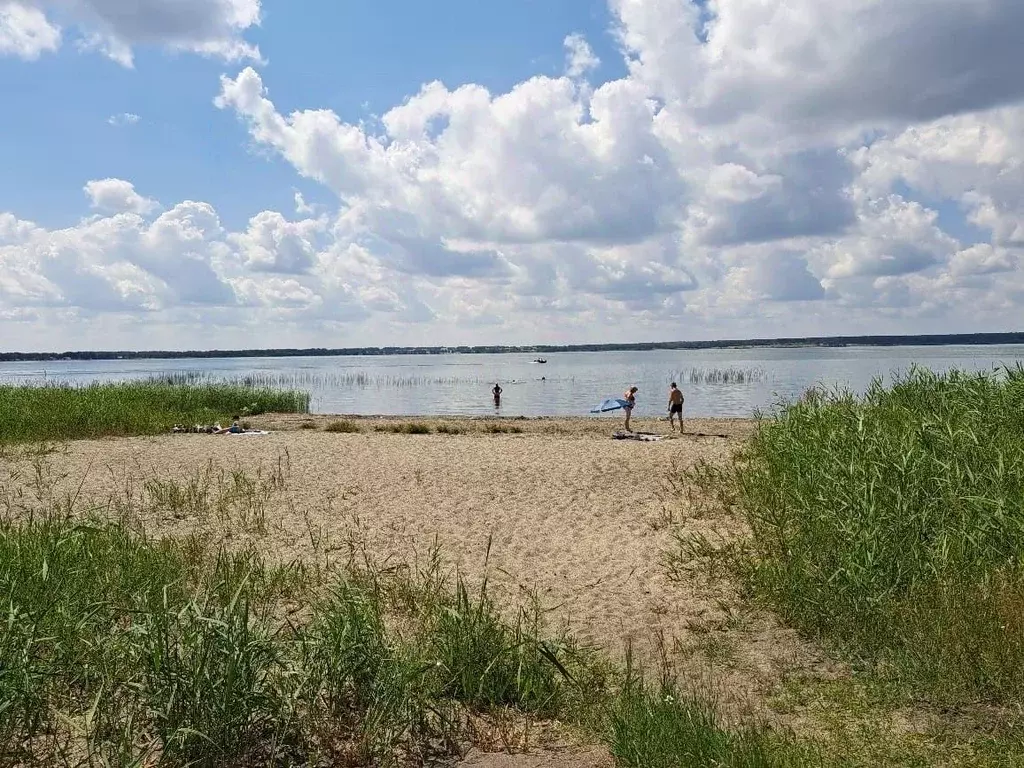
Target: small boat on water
{"points": [[540, 360]]}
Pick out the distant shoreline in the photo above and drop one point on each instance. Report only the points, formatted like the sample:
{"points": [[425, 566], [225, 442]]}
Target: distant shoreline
{"points": [[965, 339]]}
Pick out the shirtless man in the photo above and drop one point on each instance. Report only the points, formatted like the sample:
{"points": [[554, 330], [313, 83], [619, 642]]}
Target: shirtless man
{"points": [[497, 395], [675, 407]]}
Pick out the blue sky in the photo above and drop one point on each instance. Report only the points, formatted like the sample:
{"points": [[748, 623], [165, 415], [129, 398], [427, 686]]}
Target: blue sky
{"points": [[590, 169], [356, 58]]}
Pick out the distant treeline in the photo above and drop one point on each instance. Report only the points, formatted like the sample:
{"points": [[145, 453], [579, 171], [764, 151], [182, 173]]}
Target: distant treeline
{"points": [[834, 341]]}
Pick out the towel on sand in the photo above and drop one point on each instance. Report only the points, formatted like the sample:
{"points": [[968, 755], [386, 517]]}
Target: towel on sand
{"points": [[645, 437]]}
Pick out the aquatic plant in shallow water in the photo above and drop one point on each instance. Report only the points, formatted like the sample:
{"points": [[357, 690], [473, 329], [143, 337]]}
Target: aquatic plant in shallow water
{"points": [[722, 376]]}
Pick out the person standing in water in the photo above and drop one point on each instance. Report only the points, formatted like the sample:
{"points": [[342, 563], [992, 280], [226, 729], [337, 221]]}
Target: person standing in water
{"points": [[497, 394], [675, 407], [630, 398]]}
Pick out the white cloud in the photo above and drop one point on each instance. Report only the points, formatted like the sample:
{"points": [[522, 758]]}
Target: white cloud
{"points": [[118, 263], [983, 259], [302, 207], [776, 276], [124, 118], [762, 168], [116, 27], [853, 60], [118, 196], [579, 56], [25, 32], [273, 244], [894, 237]]}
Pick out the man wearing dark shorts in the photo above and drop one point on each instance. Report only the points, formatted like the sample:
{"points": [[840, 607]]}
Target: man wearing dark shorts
{"points": [[675, 407]]}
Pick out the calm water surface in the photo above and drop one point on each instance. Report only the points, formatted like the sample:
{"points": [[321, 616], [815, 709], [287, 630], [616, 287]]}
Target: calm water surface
{"points": [[722, 382]]}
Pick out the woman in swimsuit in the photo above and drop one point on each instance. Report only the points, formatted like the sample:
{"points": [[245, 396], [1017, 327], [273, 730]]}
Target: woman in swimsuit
{"points": [[630, 398]]}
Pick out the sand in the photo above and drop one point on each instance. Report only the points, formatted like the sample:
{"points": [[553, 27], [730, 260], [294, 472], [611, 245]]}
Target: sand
{"points": [[561, 511]]}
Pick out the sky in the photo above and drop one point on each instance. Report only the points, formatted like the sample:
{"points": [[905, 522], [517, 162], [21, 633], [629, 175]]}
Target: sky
{"points": [[197, 174]]}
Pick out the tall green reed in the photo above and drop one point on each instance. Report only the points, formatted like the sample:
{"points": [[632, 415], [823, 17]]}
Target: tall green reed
{"points": [[63, 412], [893, 526]]}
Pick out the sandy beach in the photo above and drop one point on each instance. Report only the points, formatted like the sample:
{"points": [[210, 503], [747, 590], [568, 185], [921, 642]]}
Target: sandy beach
{"points": [[559, 510]]}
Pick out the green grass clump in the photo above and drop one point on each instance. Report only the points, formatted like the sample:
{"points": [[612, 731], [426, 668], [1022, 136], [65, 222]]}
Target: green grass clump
{"points": [[503, 429], [117, 649], [343, 426], [406, 428], [130, 408], [450, 429], [893, 526], [148, 647], [662, 727], [120, 650]]}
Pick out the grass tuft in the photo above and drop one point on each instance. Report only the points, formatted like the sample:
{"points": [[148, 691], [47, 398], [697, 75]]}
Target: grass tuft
{"points": [[406, 428], [343, 426], [503, 429], [450, 429]]}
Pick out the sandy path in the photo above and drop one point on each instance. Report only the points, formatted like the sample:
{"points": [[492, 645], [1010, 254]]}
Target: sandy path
{"points": [[566, 511]]}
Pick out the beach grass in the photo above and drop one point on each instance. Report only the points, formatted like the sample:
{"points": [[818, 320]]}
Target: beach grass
{"points": [[120, 649], [65, 412], [343, 426], [662, 726], [891, 527], [502, 429], [405, 428], [450, 429]]}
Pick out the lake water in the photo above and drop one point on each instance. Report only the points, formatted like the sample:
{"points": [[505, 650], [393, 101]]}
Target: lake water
{"points": [[719, 382]]}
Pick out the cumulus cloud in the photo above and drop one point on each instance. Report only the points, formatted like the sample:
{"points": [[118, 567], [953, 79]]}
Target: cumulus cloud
{"points": [[114, 264], [541, 162], [983, 259], [118, 196], [761, 168], [744, 158], [116, 27], [25, 31], [273, 244], [852, 60], [776, 276]]}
